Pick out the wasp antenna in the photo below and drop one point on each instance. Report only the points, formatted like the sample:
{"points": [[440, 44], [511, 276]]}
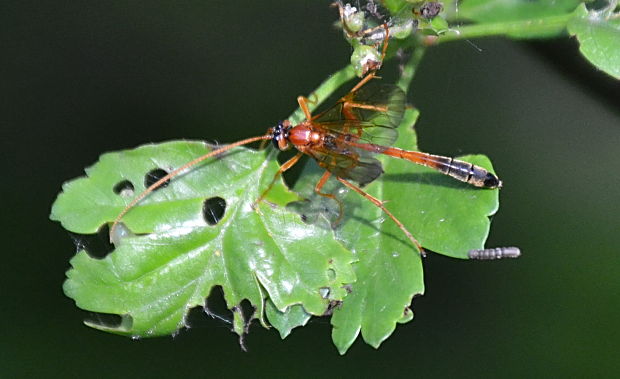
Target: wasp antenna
{"points": [[495, 253], [176, 172]]}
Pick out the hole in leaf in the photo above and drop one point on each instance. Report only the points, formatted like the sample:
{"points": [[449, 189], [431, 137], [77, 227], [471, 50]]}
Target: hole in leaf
{"points": [[324, 292], [406, 316], [213, 210], [121, 232], [406, 312], [124, 188], [97, 245], [247, 310], [195, 318], [105, 319], [331, 274], [348, 288], [153, 176], [332, 305], [215, 306], [109, 321]]}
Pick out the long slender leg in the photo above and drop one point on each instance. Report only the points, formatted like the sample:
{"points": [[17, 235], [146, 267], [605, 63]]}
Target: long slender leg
{"points": [[288, 164], [371, 75], [312, 99], [379, 204], [317, 189], [348, 103], [303, 104], [176, 172], [364, 80], [385, 41]]}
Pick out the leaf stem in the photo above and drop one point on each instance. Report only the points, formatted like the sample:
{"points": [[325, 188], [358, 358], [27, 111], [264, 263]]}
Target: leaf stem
{"points": [[537, 26]]}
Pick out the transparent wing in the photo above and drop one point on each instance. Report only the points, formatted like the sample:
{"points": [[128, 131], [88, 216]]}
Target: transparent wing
{"points": [[371, 114], [348, 164]]}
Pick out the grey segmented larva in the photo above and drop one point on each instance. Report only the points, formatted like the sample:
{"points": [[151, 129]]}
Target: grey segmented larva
{"points": [[495, 253]]}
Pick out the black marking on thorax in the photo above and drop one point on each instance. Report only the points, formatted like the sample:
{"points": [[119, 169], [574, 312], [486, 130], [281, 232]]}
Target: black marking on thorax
{"points": [[329, 141]]}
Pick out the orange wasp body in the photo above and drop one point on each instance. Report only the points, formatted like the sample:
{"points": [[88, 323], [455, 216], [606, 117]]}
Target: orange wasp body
{"points": [[343, 140]]}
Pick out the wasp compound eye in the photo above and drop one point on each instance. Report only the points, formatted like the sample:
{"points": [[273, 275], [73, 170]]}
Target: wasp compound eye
{"points": [[277, 134]]}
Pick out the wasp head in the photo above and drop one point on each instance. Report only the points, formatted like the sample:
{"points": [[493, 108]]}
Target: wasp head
{"points": [[280, 135]]}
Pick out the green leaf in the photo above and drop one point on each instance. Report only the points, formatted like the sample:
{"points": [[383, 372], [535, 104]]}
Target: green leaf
{"points": [[439, 25], [446, 216], [486, 11], [285, 321], [153, 280], [516, 18], [598, 34], [394, 6]]}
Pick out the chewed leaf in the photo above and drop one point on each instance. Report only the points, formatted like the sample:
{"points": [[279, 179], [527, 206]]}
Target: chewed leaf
{"points": [[285, 321], [446, 216], [201, 231]]}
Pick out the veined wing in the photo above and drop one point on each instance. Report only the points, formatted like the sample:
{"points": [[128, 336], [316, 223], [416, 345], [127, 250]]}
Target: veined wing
{"points": [[371, 113], [347, 163]]}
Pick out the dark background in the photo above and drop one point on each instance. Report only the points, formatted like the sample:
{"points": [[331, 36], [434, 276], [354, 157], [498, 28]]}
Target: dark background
{"points": [[84, 78]]}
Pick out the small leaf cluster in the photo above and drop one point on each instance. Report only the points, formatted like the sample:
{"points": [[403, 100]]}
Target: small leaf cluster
{"points": [[414, 23]]}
